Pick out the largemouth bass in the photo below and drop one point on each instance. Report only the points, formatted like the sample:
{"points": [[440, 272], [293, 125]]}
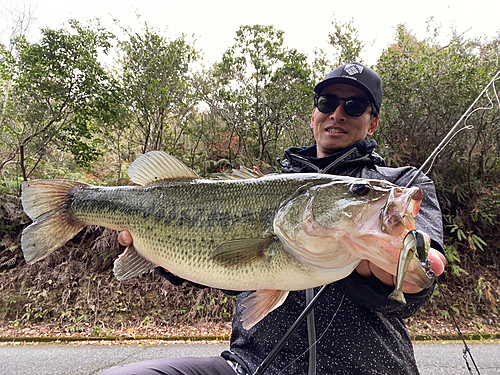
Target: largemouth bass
{"points": [[273, 234]]}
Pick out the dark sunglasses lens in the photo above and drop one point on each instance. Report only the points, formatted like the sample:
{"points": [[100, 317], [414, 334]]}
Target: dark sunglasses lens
{"points": [[327, 103], [355, 108], [352, 107]]}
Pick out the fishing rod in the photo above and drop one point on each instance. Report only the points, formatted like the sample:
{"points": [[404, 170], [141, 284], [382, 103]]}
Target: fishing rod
{"points": [[466, 351], [277, 348], [437, 150], [450, 134]]}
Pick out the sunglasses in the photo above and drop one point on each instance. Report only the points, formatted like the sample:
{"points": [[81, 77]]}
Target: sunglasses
{"points": [[328, 103]]}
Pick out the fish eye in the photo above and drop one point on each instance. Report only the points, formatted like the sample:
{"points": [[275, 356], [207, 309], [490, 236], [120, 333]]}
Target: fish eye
{"points": [[360, 188]]}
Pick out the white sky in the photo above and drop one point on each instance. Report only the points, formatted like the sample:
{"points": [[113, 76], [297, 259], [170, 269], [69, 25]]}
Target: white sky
{"points": [[306, 23]]}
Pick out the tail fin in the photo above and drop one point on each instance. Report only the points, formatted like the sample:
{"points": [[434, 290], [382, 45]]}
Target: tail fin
{"points": [[398, 295], [45, 202]]}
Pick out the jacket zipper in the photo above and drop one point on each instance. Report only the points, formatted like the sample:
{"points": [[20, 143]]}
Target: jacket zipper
{"points": [[329, 166]]}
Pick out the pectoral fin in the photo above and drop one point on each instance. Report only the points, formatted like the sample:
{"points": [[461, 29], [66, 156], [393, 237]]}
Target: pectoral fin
{"points": [[260, 303], [131, 264], [243, 251]]}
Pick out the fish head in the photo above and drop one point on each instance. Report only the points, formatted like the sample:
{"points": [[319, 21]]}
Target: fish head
{"points": [[365, 205], [372, 221], [348, 218]]}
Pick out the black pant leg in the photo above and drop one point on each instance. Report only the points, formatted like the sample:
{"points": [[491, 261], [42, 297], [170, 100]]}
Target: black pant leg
{"points": [[175, 366]]}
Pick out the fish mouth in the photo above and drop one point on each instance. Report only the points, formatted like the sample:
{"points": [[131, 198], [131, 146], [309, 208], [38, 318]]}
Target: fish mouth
{"points": [[397, 216], [397, 219]]}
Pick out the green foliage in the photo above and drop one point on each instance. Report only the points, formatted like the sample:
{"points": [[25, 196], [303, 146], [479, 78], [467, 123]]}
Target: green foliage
{"points": [[66, 116], [261, 91], [345, 40], [156, 88], [7, 61], [427, 89], [54, 86]]}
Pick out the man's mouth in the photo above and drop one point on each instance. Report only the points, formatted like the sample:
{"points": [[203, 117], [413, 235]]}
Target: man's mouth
{"points": [[336, 131]]}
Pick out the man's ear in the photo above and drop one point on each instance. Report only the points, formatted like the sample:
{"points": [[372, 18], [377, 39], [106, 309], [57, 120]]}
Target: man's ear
{"points": [[312, 118], [373, 126]]}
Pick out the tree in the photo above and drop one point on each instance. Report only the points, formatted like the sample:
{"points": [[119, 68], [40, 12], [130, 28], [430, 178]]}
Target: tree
{"points": [[262, 91], [20, 25], [6, 73], [427, 89], [157, 90], [21, 22], [56, 84], [345, 40]]}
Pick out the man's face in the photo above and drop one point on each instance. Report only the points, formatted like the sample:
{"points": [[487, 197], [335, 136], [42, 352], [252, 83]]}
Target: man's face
{"points": [[336, 130]]}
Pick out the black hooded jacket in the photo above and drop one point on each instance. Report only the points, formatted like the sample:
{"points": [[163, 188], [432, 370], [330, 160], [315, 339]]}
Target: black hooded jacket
{"points": [[359, 330]]}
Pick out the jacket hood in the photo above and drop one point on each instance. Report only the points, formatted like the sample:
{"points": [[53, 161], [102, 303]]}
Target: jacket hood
{"points": [[303, 159]]}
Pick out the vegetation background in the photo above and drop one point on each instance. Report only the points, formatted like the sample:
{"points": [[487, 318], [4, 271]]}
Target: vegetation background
{"points": [[67, 114]]}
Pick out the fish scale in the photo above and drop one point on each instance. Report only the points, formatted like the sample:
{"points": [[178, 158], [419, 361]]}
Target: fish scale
{"points": [[274, 234], [163, 233]]}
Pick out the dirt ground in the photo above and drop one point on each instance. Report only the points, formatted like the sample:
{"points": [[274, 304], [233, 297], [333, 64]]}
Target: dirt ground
{"points": [[435, 330]]}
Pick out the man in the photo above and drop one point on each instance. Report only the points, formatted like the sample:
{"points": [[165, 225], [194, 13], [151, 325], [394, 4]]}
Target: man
{"points": [[358, 329]]}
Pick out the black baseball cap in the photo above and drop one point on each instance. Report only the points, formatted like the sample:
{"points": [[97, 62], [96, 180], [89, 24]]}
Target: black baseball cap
{"points": [[356, 75]]}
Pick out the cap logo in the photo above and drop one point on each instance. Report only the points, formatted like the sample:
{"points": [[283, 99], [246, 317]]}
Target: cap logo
{"points": [[353, 69]]}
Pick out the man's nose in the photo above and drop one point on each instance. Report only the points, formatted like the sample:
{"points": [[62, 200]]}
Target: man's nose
{"points": [[339, 113]]}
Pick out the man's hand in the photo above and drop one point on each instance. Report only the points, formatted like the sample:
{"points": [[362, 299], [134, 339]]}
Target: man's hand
{"points": [[367, 268], [125, 238]]}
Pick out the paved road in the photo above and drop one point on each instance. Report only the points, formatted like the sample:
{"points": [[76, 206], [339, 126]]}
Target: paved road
{"points": [[64, 359]]}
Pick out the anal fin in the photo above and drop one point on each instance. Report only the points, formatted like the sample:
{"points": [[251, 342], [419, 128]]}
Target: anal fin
{"points": [[131, 264], [260, 303]]}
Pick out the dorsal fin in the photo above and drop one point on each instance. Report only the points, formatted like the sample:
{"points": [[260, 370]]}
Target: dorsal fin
{"points": [[156, 166], [242, 174]]}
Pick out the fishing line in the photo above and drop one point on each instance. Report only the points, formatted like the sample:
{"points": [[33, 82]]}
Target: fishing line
{"points": [[446, 140], [465, 127], [318, 340], [466, 348]]}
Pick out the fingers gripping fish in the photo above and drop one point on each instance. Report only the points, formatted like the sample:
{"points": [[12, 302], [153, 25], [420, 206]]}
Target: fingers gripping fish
{"points": [[272, 234]]}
